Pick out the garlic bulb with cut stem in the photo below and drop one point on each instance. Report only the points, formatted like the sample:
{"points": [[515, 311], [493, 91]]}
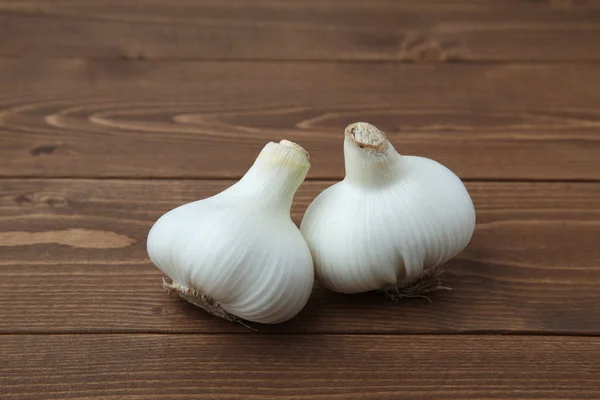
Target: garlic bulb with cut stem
{"points": [[390, 223], [238, 254]]}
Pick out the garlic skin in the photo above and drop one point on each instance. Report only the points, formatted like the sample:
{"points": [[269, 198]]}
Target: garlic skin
{"points": [[392, 220], [238, 254]]}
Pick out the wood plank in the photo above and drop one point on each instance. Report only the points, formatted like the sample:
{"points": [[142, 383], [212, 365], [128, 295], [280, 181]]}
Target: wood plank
{"points": [[459, 30], [76, 118], [299, 367], [74, 260]]}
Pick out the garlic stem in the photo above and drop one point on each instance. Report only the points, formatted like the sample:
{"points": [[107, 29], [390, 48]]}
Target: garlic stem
{"points": [[370, 159], [275, 176]]}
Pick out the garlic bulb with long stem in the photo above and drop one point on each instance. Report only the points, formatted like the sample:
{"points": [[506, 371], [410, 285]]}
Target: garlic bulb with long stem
{"points": [[390, 223], [238, 254]]}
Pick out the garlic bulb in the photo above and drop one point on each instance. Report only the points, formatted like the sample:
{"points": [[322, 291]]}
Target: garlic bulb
{"points": [[390, 223], [238, 254]]}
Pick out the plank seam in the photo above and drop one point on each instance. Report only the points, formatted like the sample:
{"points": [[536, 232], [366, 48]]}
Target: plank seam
{"points": [[441, 333], [234, 178], [416, 63]]}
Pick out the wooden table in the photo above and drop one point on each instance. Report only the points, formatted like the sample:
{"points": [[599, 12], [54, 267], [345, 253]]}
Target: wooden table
{"points": [[113, 112]]}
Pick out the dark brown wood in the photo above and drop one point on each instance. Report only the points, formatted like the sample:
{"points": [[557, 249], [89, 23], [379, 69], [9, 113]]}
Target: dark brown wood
{"points": [[298, 367], [75, 118], [74, 260], [432, 31], [111, 91]]}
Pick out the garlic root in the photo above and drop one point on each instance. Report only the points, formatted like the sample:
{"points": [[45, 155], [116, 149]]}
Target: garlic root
{"points": [[428, 283], [203, 301]]}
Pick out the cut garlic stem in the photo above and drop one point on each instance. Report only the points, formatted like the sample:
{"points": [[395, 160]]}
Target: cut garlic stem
{"points": [[370, 159]]}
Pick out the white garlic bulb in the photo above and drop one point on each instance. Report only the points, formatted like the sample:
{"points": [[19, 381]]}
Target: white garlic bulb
{"points": [[390, 223], [238, 254]]}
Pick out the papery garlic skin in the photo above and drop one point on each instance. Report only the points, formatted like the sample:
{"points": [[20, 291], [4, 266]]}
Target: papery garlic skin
{"points": [[391, 220], [240, 247]]}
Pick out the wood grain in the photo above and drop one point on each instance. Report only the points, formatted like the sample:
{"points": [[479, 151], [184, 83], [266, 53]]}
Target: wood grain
{"points": [[432, 31], [77, 118], [532, 266], [105, 92], [298, 367]]}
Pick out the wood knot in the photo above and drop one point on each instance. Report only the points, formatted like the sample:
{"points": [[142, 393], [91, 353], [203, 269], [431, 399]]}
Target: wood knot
{"points": [[133, 56], [23, 199], [36, 199], [54, 201], [42, 150], [420, 48]]}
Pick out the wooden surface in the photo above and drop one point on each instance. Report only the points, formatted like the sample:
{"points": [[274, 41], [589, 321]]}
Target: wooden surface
{"points": [[301, 367], [399, 30], [65, 240], [113, 112], [106, 118]]}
